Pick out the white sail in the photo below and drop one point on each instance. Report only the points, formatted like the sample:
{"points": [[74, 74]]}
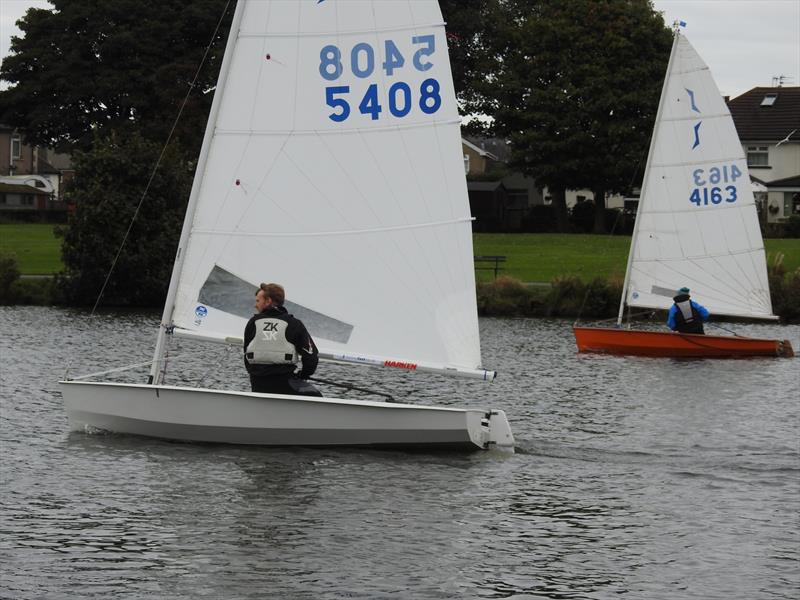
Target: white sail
{"points": [[697, 224], [334, 168]]}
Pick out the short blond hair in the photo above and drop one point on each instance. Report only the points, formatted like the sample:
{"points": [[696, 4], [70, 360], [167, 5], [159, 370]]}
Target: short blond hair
{"points": [[273, 291]]}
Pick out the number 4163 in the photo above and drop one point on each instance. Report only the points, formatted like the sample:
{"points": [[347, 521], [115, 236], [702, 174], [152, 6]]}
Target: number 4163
{"points": [[703, 196]]}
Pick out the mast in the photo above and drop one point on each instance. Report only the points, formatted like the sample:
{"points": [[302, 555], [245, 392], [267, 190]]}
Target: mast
{"points": [[643, 192], [169, 305]]}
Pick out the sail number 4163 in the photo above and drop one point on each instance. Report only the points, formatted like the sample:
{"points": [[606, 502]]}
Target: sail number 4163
{"points": [[717, 192]]}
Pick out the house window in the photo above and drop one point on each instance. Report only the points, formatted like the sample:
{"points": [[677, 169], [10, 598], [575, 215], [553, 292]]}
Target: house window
{"points": [[757, 156], [16, 147], [791, 203]]}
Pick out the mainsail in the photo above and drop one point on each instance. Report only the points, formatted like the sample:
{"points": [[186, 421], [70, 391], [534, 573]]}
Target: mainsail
{"points": [[332, 165], [697, 224]]}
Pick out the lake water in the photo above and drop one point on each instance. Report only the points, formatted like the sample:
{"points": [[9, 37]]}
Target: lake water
{"points": [[644, 478]]}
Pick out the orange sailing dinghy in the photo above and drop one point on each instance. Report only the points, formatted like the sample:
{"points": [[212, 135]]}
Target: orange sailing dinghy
{"points": [[667, 343], [696, 226]]}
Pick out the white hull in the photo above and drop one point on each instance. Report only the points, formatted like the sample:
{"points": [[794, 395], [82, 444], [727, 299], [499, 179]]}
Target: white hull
{"points": [[204, 415]]}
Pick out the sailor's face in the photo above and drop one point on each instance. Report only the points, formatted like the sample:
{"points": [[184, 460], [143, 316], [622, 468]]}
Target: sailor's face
{"points": [[262, 301]]}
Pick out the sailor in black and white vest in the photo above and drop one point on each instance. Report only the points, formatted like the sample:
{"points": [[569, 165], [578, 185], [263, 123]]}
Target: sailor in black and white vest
{"points": [[686, 315], [274, 343]]}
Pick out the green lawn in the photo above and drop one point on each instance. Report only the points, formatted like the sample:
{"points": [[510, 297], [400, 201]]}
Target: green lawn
{"points": [[37, 248], [544, 256], [531, 256]]}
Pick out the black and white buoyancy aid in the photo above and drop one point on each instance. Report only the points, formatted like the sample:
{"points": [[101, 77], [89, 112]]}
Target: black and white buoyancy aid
{"points": [[687, 318], [269, 346]]}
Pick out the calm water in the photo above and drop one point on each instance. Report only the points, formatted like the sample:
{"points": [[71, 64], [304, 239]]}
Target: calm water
{"points": [[648, 478]]}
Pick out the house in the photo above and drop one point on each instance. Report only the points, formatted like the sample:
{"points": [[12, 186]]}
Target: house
{"points": [[23, 166], [478, 160], [17, 196], [768, 123], [488, 202], [500, 199]]}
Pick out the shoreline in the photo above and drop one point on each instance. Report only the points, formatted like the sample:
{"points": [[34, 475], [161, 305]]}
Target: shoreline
{"points": [[564, 297]]}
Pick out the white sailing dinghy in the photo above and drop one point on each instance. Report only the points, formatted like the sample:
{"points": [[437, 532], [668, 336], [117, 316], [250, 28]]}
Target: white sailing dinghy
{"points": [[331, 164], [696, 225]]}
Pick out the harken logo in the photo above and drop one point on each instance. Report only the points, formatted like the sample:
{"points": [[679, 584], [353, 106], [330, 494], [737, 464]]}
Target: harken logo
{"points": [[399, 364], [201, 311]]}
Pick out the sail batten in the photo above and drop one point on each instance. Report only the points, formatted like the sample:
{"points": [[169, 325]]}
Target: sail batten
{"points": [[698, 163], [285, 132], [233, 233], [706, 116], [696, 225], [328, 34]]}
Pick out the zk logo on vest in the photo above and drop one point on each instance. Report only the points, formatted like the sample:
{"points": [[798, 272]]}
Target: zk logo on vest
{"points": [[270, 331]]}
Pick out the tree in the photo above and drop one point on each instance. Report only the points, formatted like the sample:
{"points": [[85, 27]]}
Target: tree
{"points": [[468, 43], [105, 81], [105, 201], [574, 87], [117, 65]]}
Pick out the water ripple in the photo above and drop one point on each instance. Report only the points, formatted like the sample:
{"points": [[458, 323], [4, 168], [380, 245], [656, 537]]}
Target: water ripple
{"points": [[639, 477]]}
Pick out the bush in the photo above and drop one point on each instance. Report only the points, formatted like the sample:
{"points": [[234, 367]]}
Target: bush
{"points": [[110, 180], [507, 297], [784, 288], [566, 297], [33, 216], [602, 299], [39, 291], [791, 227], [619, 222], [582, 216], [540, 219], [9, 275], [570, 297]]}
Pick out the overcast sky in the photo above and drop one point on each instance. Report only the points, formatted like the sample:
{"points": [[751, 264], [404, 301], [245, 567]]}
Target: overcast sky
{"points": [[745, 42]]}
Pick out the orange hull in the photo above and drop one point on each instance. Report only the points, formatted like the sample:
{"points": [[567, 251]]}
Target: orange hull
{"points": [[658, 343]]}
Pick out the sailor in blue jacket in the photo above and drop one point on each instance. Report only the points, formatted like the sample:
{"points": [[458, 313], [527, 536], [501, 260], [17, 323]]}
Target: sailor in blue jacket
{"points": [[686, 315]]}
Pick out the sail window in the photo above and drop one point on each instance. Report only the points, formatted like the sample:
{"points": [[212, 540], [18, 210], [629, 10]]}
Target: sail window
{"points": [[769, 100], [757, 156]]}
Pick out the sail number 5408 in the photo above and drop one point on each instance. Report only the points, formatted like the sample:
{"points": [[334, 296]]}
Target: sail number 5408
{"points": [[703, 195], [400, 97]]}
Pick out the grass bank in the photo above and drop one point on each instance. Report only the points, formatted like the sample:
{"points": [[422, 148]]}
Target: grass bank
{"points": [[531, 257], [542, 257], [35, 245], [574, 264]]}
